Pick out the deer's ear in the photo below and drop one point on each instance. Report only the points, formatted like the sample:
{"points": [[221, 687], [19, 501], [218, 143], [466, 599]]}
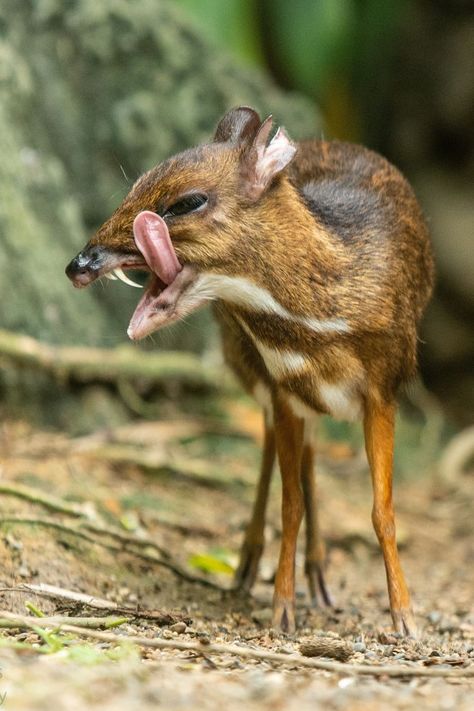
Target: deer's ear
{"points": [[238, 126], [264, 162]]}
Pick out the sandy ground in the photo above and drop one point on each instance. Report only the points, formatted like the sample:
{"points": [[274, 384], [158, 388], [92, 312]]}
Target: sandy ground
{"points": [[196, 509]]}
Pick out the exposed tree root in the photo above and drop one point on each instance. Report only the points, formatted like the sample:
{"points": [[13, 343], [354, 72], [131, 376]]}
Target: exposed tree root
{"points": [[106, 365], [38, 497], [148, 557]]}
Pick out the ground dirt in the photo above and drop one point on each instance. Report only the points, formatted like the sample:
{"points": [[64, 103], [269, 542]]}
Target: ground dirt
{"points": [[187, 484]]}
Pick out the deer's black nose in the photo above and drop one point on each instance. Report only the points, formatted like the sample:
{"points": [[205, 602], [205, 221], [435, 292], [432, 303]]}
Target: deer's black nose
{"points": [[86, 266]]}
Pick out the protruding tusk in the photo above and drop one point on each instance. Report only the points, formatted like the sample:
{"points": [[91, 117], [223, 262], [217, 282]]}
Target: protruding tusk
{"points": [[110, 276], [123, 277]]}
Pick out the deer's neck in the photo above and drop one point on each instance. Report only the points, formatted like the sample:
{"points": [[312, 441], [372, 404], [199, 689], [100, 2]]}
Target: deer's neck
{"points": [[288, 265]]}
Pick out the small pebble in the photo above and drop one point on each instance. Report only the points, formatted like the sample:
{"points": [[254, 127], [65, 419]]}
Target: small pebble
{"points": [[203, 638], [328, 647], [13, 542], [359, 647], [178, 627]]}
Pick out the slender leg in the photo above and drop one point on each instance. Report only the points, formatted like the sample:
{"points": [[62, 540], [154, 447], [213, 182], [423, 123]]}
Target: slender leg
{"points": [[289, 439], [315, 549], [252, 546], [379, 436]]}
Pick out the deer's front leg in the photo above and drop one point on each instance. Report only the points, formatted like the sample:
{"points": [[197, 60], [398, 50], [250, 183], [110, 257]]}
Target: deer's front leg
{"points": [[289, 440], [379, 436], [252, 546]]}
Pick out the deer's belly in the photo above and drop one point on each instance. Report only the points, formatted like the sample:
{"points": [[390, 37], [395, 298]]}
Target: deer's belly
{"points": [[334, 386], [342, 400], [331, 380]]}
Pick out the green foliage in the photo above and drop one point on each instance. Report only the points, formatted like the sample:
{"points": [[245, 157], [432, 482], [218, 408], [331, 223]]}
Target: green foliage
{"points": [[231, 24], [313, 39], [338, 51], [129, 521], [215, 561], [81, 653], [34, 609], [51, 640], [89, 655]]}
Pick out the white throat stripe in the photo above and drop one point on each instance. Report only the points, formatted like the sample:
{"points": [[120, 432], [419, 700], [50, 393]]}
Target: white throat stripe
{"points": [[243, 292]]}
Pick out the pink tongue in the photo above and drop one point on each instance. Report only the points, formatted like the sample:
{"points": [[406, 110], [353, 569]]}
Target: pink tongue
{"points": [[153, 240]]}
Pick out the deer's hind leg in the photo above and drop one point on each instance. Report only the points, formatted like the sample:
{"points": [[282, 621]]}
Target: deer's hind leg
{"points": [[252, 547], [315, 559], [379, 438]]}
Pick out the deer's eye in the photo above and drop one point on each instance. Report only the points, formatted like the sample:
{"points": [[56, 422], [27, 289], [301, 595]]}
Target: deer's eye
{"points": [[185, 205]]}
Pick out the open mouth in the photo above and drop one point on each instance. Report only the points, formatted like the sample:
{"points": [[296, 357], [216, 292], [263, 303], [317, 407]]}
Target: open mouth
{"points": [[161, 304], [173, 290], [169, 295]]}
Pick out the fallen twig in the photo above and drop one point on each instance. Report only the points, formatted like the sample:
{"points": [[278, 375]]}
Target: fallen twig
{"points": [[53, 592], [292, 660], [57, 593], [9, 620]]}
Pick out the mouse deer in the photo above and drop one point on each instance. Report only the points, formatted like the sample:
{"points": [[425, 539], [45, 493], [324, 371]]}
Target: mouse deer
{"points": [[318, 261]]}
